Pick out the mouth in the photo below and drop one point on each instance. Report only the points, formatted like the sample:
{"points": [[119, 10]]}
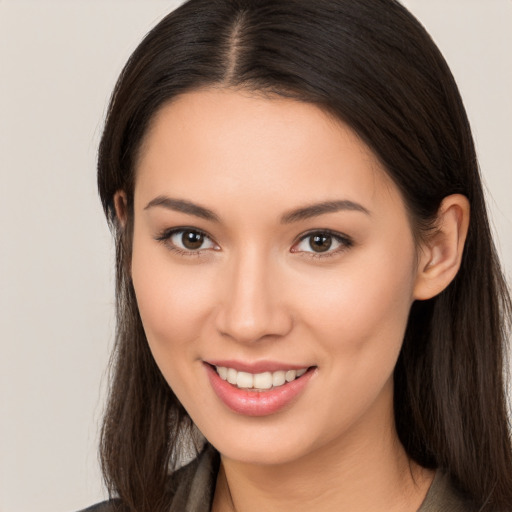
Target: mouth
{"points": [[258, 382], [258, 394]]}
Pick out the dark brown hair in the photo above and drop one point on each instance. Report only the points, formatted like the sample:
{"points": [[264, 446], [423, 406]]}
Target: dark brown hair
{"points": [[371, 64]]}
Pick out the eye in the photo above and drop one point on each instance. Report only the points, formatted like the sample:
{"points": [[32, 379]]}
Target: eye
{"points": [[322, 243], [187, 240]]}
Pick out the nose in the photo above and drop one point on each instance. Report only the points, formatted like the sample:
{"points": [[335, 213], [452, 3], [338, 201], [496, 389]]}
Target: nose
{"points": [[253, 306]]}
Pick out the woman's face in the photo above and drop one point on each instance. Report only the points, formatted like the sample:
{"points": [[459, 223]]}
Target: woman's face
{"points": [[269, 242]]}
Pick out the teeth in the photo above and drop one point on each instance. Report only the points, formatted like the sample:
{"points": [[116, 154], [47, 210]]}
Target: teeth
{"points": [[263, 380], [258, 381], [278, 378], [231, 375], [244, 380], [290, 375]]}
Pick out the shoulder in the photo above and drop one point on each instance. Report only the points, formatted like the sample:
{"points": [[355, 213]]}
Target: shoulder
{"points": [[443, 496], [105, 506], [190, 487]]}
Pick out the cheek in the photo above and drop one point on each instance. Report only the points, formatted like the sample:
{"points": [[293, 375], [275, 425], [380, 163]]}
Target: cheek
{"points": [[362, 308], [173, 302], [173, 305]]}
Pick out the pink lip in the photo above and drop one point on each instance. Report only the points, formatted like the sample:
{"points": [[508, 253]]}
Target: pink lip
{"points": [[257, 366], [257, 403]]}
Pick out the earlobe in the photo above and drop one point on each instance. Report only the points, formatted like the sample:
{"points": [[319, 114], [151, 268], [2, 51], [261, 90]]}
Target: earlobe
{"points": [[121, 207], [441, 254]]}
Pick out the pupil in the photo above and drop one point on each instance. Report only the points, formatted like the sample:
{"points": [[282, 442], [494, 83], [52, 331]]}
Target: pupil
{"points": [[192, 240], [320, 243]]}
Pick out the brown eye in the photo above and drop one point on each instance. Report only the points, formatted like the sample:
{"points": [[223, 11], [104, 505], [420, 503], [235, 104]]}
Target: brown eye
{"points": [[187, 241], [324, 243], [320, 242], [192, 240]]}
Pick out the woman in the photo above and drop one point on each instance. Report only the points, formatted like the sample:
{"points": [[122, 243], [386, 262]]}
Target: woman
{"points": [[305, 272]]}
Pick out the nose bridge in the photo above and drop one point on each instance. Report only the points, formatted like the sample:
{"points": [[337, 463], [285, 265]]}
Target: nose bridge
{"points": [[253, 307]]}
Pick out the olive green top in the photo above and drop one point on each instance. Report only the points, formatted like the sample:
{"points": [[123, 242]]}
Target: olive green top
{"points": [[192, 488]]}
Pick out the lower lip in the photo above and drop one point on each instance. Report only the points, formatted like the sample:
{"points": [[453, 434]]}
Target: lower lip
{"points": [[257, 403]]}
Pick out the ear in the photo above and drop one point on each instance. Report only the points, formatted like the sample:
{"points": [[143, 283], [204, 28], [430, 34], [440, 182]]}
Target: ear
{"points": [[441, 253], [121, 207]]}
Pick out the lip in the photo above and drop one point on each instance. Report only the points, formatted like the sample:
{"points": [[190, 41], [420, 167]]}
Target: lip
{"points": [[257, 403]]}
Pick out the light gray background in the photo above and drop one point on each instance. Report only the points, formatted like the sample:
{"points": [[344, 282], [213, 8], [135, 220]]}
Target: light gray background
{"points": [[58, 64]]}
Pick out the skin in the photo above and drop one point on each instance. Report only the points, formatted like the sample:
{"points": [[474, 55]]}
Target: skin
{"points": [[256, 290]]}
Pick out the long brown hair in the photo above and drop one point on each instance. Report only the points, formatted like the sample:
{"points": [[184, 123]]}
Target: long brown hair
{"points": [[371, 64]]}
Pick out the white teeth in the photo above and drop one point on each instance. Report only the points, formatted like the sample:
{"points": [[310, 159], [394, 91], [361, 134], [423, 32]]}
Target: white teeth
{"points": [[258, 381], [231, 375], [244, 380], [263, 380], [278, 378], [290, 375]]}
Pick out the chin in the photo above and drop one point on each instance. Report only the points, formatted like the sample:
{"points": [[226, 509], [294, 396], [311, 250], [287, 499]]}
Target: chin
{"points": [[262, 452]]}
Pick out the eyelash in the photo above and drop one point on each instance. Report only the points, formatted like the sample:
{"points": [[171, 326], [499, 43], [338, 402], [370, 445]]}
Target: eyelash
{"points": [[166, 235], [344, 241]]}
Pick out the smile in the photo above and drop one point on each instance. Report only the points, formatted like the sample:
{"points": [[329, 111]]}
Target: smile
{"points": [[258, 381], [258, 393]]}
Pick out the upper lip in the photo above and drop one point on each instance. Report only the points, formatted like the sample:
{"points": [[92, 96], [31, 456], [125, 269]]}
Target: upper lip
{"points": [[256, 366]]}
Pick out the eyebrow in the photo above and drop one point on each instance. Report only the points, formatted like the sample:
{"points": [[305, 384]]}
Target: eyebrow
{"points": [[321, 208], [306, 212], [180, 205]]}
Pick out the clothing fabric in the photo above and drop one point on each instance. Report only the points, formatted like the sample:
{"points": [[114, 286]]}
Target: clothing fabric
{"points": [[193, 486]]}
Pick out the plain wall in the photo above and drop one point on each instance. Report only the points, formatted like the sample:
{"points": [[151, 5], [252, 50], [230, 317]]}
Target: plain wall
{"points": [[58, 64]]}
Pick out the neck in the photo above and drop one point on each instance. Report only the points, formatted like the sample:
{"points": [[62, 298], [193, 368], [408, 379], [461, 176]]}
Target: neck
{"points": [[364, 471]]}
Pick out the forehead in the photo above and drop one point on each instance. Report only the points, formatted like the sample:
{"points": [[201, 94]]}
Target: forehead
{"points": [[225, 144]]}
